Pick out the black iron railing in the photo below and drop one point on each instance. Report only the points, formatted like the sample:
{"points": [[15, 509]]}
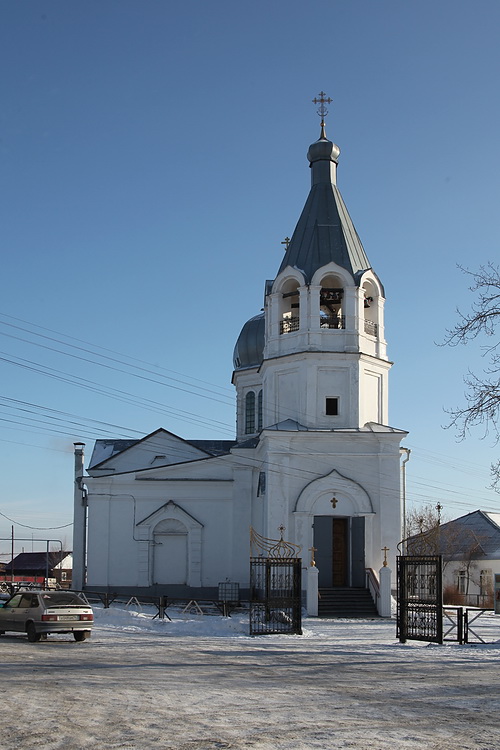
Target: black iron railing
{"points": [[332, 321], [287, 325]]}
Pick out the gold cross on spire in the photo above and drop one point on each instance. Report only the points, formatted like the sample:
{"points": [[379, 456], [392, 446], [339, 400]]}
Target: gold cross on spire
{"points": [[322, 110], [322, 100]]}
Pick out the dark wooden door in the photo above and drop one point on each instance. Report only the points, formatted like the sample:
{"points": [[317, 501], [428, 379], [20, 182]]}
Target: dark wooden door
{"points": [[339, 545], [332, 548]]}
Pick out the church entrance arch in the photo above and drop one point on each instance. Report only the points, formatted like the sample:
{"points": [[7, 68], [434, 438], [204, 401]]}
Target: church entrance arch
{"points": [[334, 508]]}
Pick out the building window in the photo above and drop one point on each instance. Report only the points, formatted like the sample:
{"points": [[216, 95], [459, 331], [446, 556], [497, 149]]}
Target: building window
{"points": [[259, 411], [250, 413], [261, 488], [485, 583], [332, 407], [462, 582]]}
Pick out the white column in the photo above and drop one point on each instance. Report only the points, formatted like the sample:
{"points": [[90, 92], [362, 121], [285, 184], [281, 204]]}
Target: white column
{"points": [[312, 591], [384, 602], [79, 521]]}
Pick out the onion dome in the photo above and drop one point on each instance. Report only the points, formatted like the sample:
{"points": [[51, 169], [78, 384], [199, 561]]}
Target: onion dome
{"points": [[249, 349], [323, 150]]}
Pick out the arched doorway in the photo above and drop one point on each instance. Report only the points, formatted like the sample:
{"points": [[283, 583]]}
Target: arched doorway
{"points": [[331, 514]]}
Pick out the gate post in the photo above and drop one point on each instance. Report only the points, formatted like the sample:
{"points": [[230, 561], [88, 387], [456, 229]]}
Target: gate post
{"points": [[312, 591], [385, 599]]}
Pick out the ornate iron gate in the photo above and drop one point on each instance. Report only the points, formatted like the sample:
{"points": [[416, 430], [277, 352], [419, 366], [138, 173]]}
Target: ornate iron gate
{"points": [[275, 587], [275, 604], [420, 598]]}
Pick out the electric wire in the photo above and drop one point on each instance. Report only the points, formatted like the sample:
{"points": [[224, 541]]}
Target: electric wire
{"points": [[100, 389], [140, 367]]}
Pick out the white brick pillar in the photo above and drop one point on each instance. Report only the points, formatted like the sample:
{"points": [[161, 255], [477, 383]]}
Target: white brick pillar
{"points": [[384, 602], [312, 591]]}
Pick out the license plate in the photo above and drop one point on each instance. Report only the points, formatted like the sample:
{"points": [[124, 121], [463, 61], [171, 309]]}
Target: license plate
{"points": [[66, 617]]}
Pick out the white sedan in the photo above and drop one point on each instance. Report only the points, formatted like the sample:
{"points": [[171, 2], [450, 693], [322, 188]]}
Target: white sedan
{"points": [[42, 612]]}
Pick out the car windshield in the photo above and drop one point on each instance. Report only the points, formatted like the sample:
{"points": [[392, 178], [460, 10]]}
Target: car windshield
{"points": [[60, 599]]}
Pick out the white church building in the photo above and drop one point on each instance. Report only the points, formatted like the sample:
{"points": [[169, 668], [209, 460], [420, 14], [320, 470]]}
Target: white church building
{"points": [[313, 453]]}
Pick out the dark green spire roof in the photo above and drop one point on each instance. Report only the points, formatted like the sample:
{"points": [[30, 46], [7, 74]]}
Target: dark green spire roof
{"points": [[324, 232]]}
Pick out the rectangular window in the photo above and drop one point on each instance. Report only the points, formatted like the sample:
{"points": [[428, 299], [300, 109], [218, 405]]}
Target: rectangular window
{"points": [[485, 583], [250, 413], [462, 582], [332, 407]]}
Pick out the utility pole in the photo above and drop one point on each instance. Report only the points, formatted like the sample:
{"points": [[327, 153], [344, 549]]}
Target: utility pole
{"points": [[12, 556]]}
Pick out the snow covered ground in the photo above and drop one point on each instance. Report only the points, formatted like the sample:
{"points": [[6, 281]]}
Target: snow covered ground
{"points": [[201, 683]]}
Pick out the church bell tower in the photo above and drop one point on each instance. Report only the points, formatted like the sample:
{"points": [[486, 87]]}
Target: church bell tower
{"points": [[317, 355]]}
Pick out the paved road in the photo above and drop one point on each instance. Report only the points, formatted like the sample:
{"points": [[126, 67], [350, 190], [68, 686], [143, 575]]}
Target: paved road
{"points": [[327, 690]]}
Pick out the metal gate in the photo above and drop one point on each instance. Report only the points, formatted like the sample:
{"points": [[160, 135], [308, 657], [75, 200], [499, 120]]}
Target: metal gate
{"points": [[420, 598], [275, 595]]}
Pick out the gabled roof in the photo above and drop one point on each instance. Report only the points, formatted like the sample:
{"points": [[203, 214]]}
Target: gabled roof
{"points": [[106, 450], [35, 561], [475, 535]]}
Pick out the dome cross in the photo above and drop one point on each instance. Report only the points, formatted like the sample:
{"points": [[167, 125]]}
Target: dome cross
{"points": [[322, 99]]}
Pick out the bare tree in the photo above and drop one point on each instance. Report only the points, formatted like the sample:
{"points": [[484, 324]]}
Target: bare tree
{"points": [[423, 519], [482, 391], [424, 530]]}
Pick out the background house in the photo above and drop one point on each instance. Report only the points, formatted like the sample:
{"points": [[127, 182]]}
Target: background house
{"points": [[33, 566], [470, 546]]}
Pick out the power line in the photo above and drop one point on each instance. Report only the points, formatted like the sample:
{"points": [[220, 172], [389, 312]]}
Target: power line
{"points": [[111, 351], [36, 528]]}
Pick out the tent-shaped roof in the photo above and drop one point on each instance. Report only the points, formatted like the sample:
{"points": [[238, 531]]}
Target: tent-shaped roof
{"points": [[325, 232]]}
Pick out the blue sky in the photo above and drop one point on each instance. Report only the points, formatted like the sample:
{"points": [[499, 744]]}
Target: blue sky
{"points": [[152, 161]]}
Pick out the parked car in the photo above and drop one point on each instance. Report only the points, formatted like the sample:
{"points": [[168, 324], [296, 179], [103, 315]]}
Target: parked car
{"points": [[38, 613]]}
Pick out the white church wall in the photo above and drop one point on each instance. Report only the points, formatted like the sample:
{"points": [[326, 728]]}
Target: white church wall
{"points": [[297, 388], [120, 507]]}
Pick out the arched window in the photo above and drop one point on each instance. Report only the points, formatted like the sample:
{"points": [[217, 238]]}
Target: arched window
{"points": [[331, 303], [289, 307], [249, 413], [370, 309], [259, 411]]}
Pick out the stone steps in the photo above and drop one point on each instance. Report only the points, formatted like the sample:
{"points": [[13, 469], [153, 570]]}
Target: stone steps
{"points": [[346, 602]]}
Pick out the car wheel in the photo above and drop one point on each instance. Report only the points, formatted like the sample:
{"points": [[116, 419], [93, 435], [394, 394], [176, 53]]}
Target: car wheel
{"points": [[33, 636], [81, 635]]}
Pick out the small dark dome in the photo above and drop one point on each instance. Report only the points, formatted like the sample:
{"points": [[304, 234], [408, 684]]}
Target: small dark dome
{"points": [[249, 349], [323, 150]]}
